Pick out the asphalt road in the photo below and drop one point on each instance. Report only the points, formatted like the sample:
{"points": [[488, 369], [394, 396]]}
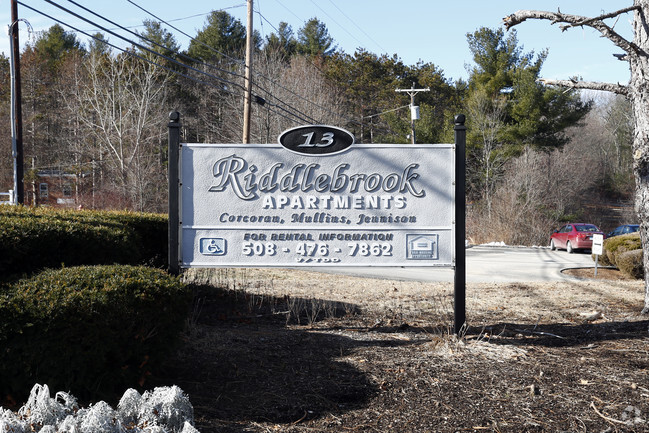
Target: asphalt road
{"points": [[486, 264]]}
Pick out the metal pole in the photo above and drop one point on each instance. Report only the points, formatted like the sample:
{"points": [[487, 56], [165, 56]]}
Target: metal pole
{"points": [[248, 78], [174, 192], [460, 225], [16, 109]]}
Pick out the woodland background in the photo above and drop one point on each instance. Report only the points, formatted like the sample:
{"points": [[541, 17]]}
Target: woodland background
{"points": [[537, 155]]}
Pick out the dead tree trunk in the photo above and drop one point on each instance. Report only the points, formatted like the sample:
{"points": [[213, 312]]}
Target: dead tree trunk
{"points": [[636, 52]]}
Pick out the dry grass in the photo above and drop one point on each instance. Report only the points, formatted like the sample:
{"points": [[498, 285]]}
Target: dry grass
{"points": [[297, 351], [541, 302]]}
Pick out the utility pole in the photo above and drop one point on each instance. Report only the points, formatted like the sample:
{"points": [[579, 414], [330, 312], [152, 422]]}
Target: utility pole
{"points": [[414, 110], [16, 109], [248, 78]]}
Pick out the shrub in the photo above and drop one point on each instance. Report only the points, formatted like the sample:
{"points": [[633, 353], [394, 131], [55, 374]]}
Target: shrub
{"points": [[91, 330], [617, 245], [35, 238], [630, 263], [603, 259], [625, 253]]}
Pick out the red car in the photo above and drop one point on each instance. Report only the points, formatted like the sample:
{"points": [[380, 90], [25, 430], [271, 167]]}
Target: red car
{"points": [[574, 236]]}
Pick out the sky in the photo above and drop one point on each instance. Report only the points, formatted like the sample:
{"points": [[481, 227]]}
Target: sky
{"points": [[432, 31]]}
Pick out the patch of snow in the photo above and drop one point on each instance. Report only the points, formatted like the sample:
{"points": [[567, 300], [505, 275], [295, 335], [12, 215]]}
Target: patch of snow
{"points": [[163, 410], [494, 244]]}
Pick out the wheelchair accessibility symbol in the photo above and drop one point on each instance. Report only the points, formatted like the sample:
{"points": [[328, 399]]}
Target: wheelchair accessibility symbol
{"points": [[213, 246]]}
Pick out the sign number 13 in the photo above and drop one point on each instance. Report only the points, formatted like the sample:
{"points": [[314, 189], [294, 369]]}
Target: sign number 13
{"points": [[326, 140]]}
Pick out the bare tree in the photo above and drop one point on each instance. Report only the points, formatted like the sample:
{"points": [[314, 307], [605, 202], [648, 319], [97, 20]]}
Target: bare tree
{"points": [[618, 119], [487, 117], [310, 93], [635, 52], [534, 191], [119, 101]]}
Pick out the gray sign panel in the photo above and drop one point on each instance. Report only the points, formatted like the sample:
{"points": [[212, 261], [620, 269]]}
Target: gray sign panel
{"points": [[369, 205]]}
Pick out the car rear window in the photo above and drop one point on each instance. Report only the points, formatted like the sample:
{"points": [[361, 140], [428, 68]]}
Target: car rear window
{"points": [[587, 228]]}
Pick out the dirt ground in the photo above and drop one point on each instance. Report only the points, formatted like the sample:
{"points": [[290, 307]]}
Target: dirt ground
{"points": [[295, 351]]}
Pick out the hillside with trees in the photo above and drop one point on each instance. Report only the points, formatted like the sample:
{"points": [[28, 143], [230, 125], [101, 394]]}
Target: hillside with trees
{"points": [[95, 118]]}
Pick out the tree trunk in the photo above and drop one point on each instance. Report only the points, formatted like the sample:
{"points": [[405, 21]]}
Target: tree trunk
{"points": [[639, 96]]}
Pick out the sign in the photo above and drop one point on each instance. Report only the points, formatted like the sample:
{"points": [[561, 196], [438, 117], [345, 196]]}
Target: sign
{"points": [[282, 205], [359, 205], [598, 244]]}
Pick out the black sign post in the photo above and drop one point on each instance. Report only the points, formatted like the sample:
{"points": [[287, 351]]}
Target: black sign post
{"points": [[460, 225], [174, 185]]}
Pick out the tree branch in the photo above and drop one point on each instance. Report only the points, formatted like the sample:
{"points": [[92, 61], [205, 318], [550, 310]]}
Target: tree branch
{"points": [[589, 85], [602, 17], [577, 21]]}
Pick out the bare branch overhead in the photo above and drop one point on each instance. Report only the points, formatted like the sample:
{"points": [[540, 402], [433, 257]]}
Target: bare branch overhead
{"points": [[590, 85], [598, 24], [577, 21], [602, 17]]}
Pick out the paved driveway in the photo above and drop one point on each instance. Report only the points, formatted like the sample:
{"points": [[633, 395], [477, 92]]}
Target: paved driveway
{"points": [[488, 264]]}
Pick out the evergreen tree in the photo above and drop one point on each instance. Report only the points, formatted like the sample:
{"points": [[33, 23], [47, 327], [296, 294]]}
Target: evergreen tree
{"points": [[158, 39], [313, 39], [53, 45], [368, 83], [534, 115], [222, 36], [98, 45], [283, 43]]}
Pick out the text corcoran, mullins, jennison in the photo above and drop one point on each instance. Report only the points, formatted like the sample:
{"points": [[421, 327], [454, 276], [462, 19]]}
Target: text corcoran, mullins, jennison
{"points": [[246, 183]]}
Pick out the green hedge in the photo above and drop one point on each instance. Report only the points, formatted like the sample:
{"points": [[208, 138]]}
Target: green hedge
{"points": [[617, 252], [93, 331], [630, 263], [36, 238]]}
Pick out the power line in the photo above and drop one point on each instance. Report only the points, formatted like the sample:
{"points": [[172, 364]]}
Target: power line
{"points": [[339, 25], [290, 11], [306, 117], [131, 53], [262, 19], [289, 110], [259, 74], [356, 25], [206, 13], [239, 61], [142, 47], [283, 109], [180, 54], [303, 115], [268, 106], [135, 44], [385, 112]]}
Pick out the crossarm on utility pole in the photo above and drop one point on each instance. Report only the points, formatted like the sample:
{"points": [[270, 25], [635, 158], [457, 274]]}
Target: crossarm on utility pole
{"points": [[412, 92]]}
